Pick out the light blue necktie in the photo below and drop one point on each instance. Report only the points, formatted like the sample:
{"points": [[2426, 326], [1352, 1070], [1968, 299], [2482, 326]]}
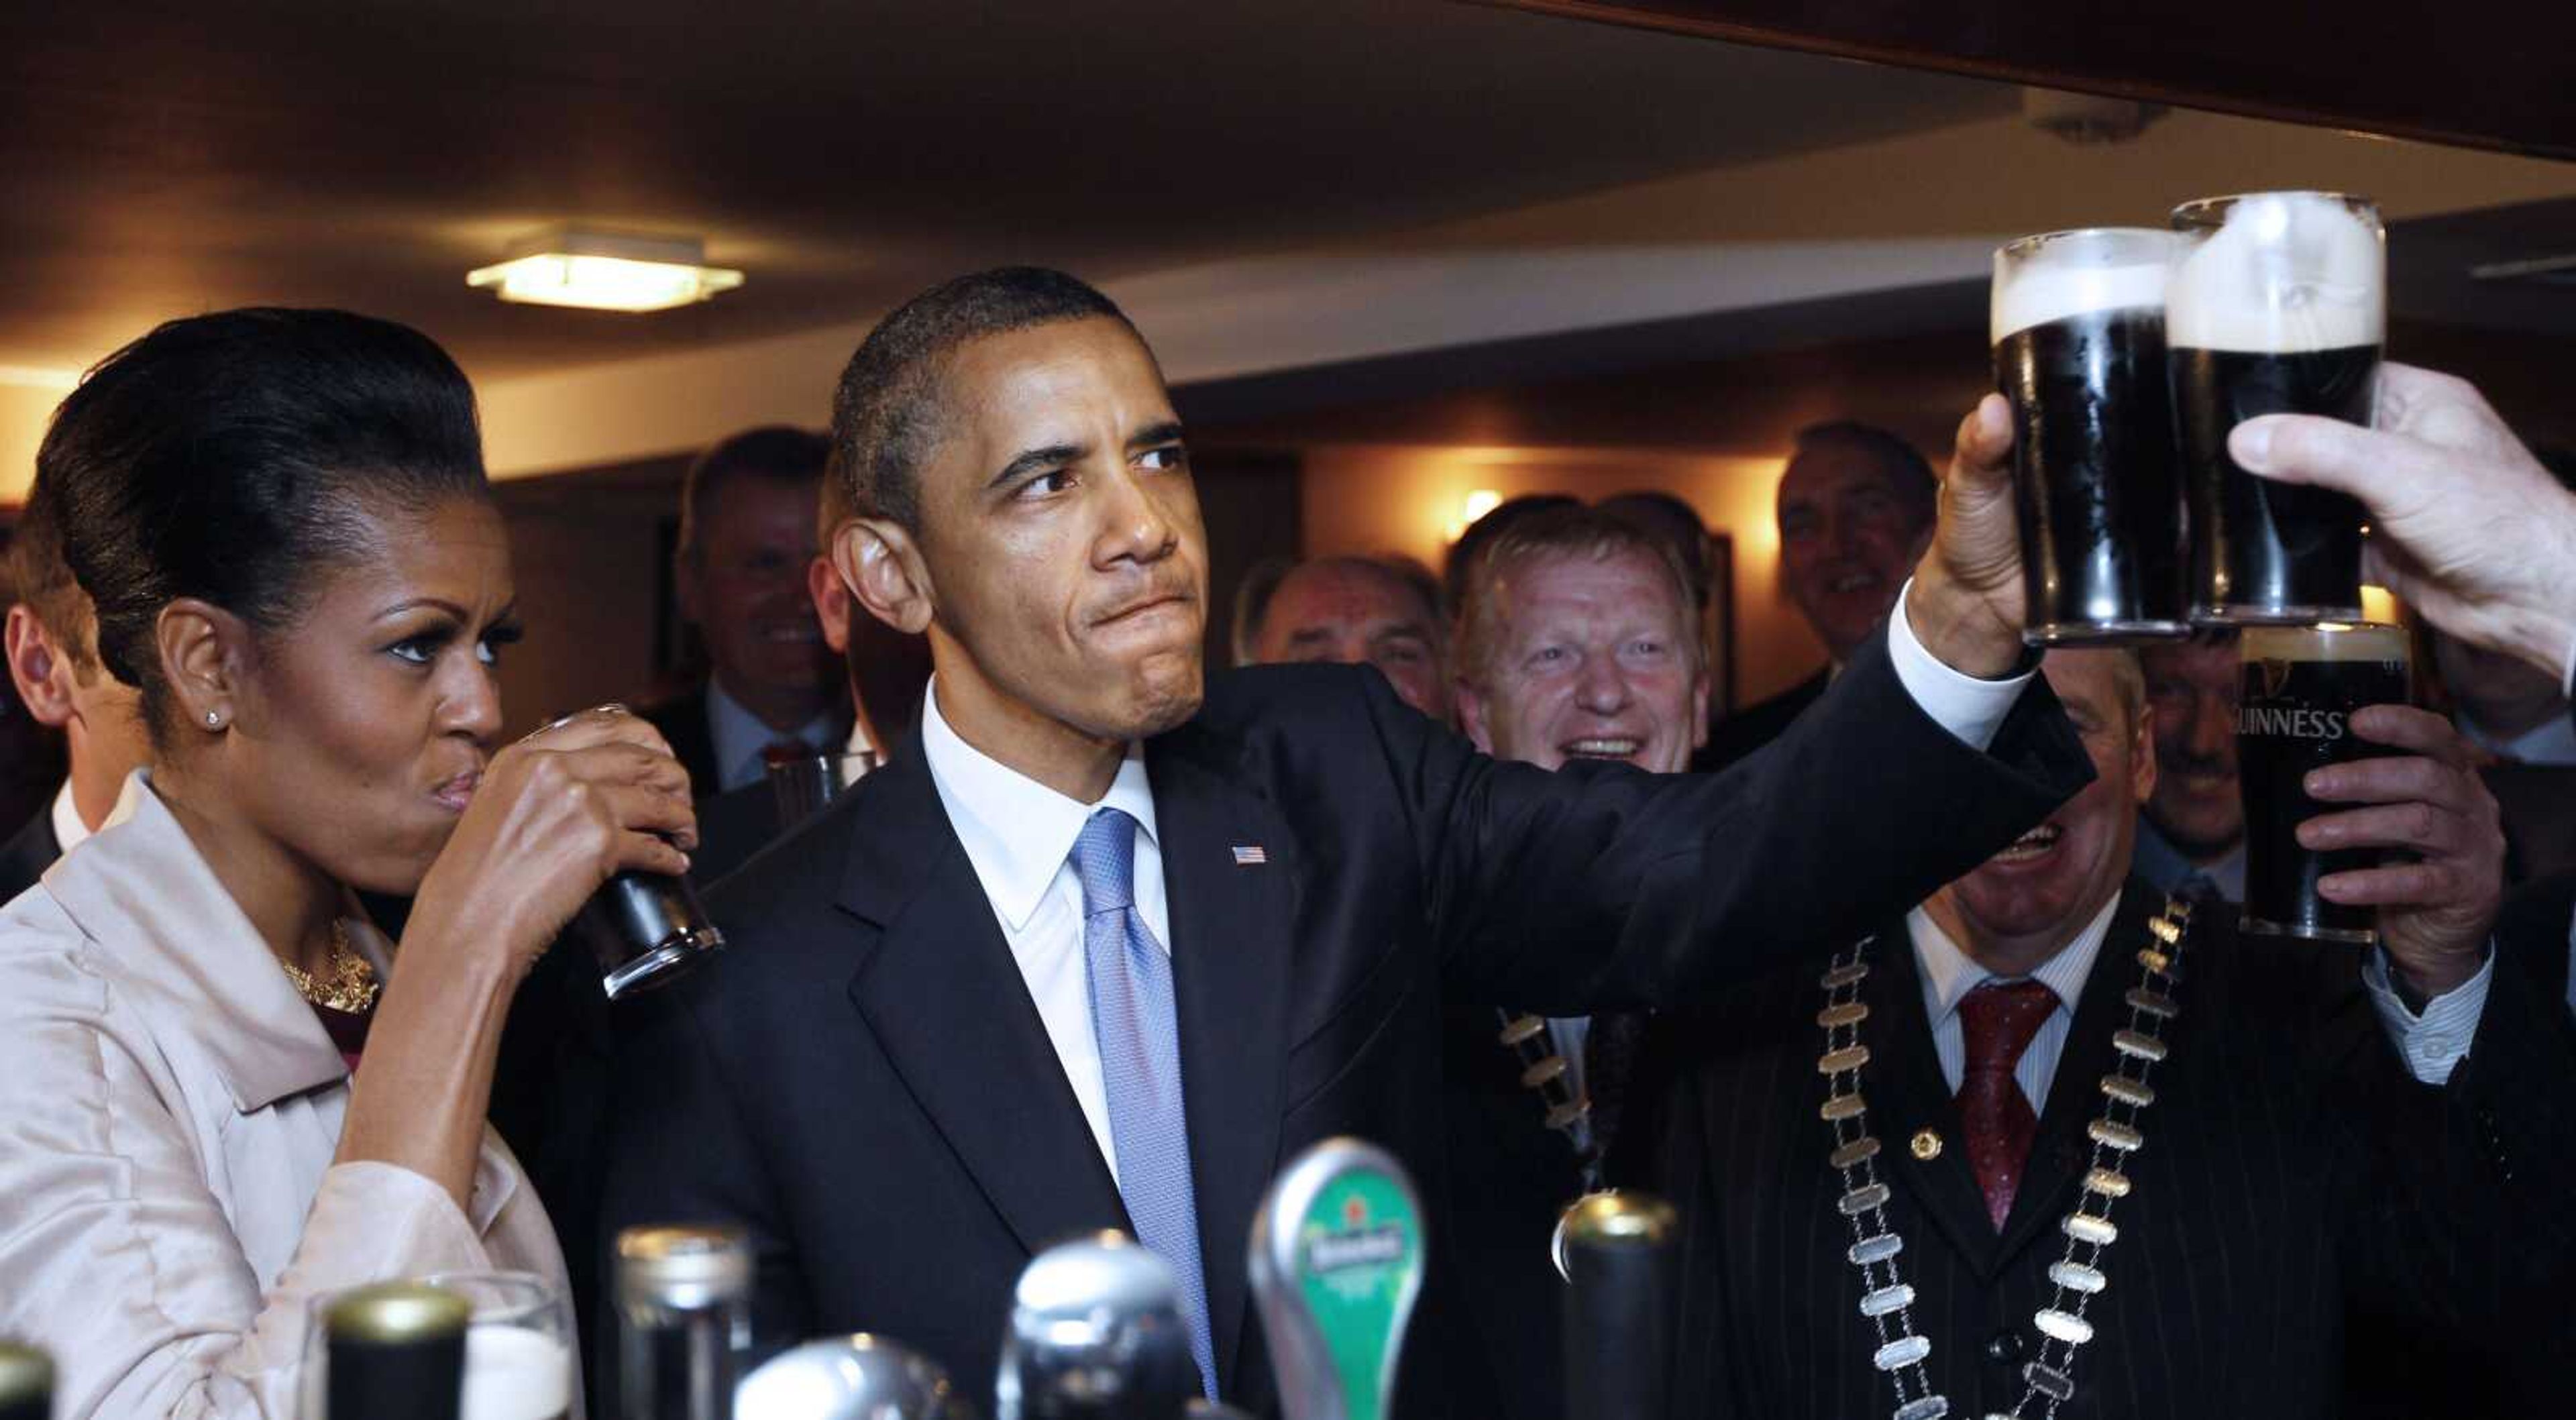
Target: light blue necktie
{"points": [[1138, 1030]]}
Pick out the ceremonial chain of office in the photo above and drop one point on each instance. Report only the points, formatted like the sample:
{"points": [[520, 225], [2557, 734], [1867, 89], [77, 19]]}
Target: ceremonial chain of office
{"points": [[1886, 1299]]}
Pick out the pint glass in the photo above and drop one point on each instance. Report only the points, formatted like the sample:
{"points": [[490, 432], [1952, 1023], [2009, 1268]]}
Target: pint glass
{"points": [[2278, 306], [2301, 687], [2078, 329]]}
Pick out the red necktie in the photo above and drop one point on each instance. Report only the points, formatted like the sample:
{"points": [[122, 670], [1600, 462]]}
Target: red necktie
{"points": [[1998, 1019], [784, 751]]}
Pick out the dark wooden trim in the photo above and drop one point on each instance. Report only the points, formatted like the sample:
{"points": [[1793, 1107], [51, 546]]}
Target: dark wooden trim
{"points": [[2476, 73]]}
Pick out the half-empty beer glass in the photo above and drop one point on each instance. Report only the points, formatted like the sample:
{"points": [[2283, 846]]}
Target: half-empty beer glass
{"points": [[2278, 306]]}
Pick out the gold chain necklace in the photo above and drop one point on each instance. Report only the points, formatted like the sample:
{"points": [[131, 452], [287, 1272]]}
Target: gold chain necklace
{"points": [[352, 986]]}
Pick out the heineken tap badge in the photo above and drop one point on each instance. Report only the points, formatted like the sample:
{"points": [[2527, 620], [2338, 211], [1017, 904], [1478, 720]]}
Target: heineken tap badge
{"points": [[1337, 1259]]}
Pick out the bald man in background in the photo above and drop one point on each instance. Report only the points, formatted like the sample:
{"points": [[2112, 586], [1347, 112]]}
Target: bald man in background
{"points": [[1377, 611]]}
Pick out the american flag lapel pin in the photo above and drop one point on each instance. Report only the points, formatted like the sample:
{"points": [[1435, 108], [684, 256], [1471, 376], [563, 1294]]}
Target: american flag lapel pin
{"points": [[1248, 855]]}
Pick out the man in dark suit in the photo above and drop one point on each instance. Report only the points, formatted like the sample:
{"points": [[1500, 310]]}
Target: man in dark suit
{"points": [[52, 639], [1856, 509], [2352, 1163], [1104, 944], [746, 540]]}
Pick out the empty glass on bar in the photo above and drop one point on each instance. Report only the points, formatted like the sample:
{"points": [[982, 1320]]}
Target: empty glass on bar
{"points": [[2278, 306], [806, 784], [2301, 687], [2078, 330]]}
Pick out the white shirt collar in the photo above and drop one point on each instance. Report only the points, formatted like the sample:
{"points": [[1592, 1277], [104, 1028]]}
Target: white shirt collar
{"points": [[69, 831], [1950, 973], [1016, 831], [739, 738]]}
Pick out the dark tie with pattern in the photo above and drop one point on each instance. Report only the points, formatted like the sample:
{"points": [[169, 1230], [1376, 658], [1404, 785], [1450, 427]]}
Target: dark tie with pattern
{"points": [[1998, 1019]]}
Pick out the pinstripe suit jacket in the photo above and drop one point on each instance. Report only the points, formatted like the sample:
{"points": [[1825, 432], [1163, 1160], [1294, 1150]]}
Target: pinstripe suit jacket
{"points": [[2307, 1217]]}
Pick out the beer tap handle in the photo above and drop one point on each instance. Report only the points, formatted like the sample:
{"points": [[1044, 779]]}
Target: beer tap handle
{"points": [[1616, 1250], [1337, 1263], [849, 1378], [1096, 1334]]}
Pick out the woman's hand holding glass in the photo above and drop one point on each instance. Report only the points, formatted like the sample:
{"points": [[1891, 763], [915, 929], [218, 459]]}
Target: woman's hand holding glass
{"points": [[555, 816]]}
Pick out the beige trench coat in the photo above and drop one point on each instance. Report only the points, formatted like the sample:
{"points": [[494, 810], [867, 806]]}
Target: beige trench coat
{"points": [[169, 1108]]}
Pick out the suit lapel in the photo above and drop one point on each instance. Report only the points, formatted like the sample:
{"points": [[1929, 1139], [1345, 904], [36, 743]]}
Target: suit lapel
{"points": [[948, 1005], [1919, 1100], [2059, 1151], [1231, 945]]}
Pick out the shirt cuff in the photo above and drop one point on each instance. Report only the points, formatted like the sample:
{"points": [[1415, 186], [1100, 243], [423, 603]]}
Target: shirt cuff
{"points": [[1969, 708], [2433, 1043]]}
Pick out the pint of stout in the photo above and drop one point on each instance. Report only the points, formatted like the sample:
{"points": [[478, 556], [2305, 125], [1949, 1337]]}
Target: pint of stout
{"points": [[2079, 345], [2278, 306], [2301, 687]]}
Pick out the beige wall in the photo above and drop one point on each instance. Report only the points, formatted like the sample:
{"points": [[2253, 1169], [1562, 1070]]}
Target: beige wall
{"points": [[587, 579], [1382, 498]]}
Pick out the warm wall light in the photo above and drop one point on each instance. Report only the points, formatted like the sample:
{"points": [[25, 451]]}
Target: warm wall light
{"points": [[604, 271], [2379, 604], [1479, 502]]}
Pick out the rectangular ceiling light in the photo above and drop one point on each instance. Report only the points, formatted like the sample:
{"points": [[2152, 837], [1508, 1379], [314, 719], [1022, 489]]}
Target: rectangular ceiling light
{"points": [[603, 271]]}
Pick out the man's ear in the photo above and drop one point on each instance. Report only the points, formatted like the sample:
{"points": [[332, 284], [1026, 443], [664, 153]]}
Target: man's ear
{"points": [[2142, 755], [205, 657], [882, 566], [1471, 717], [831, 603], [43, 674]]}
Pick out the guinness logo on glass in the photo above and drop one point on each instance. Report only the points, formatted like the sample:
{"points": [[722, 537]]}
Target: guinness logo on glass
{"points": [[2271, 675]]}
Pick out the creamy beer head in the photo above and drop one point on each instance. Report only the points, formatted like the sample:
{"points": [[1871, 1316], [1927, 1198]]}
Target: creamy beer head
{"points": [[2282, 273], [514, 1373], [2062, 275]]}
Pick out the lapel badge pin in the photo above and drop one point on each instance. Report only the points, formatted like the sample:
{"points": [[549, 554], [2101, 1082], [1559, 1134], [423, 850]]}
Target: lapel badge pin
{"points": [[1927, 1144], [1248, 855]]}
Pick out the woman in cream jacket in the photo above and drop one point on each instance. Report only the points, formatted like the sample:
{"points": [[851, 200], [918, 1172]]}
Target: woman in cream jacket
{"points": [[221, 1092]]}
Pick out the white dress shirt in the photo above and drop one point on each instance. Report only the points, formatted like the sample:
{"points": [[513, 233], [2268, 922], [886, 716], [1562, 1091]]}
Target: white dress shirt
{"points": [[741, 742], [2432, 1043], [1019, 834], [69, 831]]}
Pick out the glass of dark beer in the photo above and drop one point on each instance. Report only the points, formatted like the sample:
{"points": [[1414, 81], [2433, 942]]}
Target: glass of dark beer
{"points": [[2301, 687], [2278, 306], [2078, 331]]}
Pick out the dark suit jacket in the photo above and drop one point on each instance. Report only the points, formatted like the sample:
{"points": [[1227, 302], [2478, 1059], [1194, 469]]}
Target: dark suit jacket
{"points": [[864, 1083], [1510, 1176], [2300, 1201], [28, 853], [682, 719], [1754, 726], [2532, 932]]}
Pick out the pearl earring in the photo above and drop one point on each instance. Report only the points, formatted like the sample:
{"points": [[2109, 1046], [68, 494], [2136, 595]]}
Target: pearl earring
{"points": [[214, 720]]}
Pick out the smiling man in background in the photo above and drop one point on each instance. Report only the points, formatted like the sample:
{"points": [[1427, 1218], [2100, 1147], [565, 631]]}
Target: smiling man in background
{"points": [[1578, 640], [746, 536], [1856, 508], [2191, 831]]}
